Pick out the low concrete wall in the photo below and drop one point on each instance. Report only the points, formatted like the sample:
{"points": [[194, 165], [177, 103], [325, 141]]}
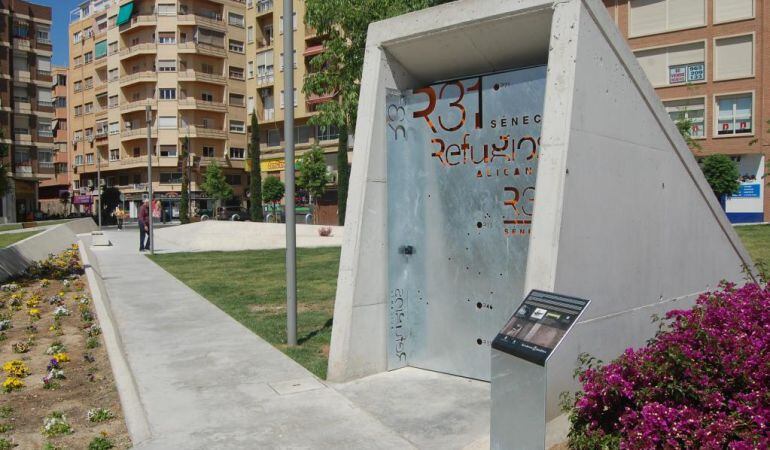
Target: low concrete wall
{"points": [[15, 258]]}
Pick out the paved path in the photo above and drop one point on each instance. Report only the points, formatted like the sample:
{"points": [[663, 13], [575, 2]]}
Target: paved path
{"points": [[207, 382]]}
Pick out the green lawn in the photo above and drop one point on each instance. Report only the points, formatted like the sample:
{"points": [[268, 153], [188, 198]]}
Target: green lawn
{"points": [[250, 286], [7, 239], [18, 226], [756, 238]]}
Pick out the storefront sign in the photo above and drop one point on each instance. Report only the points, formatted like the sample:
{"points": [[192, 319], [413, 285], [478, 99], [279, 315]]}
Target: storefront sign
{"points": [[274, 165], [748, 190], [538, 325], [81, 200]]}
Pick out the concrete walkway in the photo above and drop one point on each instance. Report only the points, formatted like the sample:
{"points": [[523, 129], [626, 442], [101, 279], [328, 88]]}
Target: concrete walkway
{"points": [[205, 381]]}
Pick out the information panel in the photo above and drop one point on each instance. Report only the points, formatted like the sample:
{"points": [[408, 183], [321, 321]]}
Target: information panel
{"points": [[462, 163], [538, 325]]}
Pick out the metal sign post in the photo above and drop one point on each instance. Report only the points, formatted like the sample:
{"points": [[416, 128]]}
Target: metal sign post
{"points": [[98, 179], [149, 176], [288, 130]]}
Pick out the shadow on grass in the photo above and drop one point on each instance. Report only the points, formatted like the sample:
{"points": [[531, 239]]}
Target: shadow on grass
{"points": [[314, 333]]}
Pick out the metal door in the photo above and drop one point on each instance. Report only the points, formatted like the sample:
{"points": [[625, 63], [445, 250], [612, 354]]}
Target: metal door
{"points": [[462, 160]]}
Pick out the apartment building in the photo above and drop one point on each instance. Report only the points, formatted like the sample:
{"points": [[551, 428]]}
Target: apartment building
{"points": [[53, 193], [26, 110], [708, 61], [265, 85], [183, 59]]}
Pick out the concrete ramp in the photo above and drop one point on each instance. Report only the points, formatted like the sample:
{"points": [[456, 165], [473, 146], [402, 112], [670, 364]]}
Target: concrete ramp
{"points": [[622, 214]]}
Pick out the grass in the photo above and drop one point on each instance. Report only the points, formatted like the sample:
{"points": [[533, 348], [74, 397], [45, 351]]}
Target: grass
{"points": [[756, 239], [18, 226], [10, 238], [250, 286]]}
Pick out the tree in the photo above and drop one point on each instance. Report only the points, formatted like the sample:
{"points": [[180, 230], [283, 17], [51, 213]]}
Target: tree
{"points": [[684, 126], [4, 168], [255, 188], [215, 185], [64, 198], [184, 198], [337, 70], [313, 175], [272, 191], [721, 174]]}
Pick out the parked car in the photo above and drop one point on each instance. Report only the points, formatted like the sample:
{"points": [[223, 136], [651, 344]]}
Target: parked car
{"points": [[234, 213], [205, 214]]}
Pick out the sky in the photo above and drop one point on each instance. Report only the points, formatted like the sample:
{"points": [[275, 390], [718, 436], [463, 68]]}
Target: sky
{"points": [[60, 11]]}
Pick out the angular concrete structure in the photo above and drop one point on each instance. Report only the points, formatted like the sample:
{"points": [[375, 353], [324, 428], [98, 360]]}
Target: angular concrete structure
{"points": [[622, 214]]}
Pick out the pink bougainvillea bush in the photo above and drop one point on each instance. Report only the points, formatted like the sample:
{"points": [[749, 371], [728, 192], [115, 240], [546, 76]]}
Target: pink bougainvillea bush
{"points": [[703, 382]]}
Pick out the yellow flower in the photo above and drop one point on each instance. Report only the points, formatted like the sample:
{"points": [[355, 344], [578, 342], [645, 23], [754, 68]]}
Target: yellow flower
{"points": [[12, 383], [16, 368], [61, 357], [34, 312]]}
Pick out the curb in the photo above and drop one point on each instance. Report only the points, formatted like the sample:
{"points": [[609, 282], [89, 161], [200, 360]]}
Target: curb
{"points": [[133, 410]]}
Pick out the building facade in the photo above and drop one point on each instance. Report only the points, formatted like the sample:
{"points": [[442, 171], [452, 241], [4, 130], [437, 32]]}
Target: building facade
{"points": [[54, 192], [708, 61], [265, 87], [26, 108], [185, 61]]}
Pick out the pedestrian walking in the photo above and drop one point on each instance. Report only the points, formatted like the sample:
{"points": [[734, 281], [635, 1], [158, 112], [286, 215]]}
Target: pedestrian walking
{"points": [[144, 225], [119, 216]]}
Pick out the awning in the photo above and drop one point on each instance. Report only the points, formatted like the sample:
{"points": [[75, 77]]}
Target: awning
{"points": [[314, 50], [316, 99], [124, 14]]}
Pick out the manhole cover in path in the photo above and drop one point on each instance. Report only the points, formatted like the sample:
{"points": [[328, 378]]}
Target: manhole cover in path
{"points": [[294, 386]]}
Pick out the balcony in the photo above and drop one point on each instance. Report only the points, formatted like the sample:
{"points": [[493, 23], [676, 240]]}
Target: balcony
{"points": [[139, 133], [139, 20], [138, 77], [197, 131], [147, 48], [194, 75], [214, 23], [193, 103], [314, 50], [100, 87], [22, 44], [203, 49], [22, 75], [100, 63], [22, 106], [45, 133], [138, 105]]}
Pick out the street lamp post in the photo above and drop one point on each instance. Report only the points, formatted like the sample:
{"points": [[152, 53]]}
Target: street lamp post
{"points": [[98, 179], [288, 130], [148, 111]]}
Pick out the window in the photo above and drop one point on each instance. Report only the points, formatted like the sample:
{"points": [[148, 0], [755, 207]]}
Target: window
{"points": [[692, 109], [112, 101], [167, 122], [77, 136], [78, 162], [44, 127], [89, 134], [674, 65], [734, 114], [237, 126], [77, 37], [250, 35], [167, 65], [44, 97], [166, 37], [88, 32], [171, 177], [208, 152], [233, 179], [113, 75], [89, 158], [136, 152], [303, 133], [236, 73], [734, 57], [78, 86], [166, 9], [112, 48], [236, 99], [88, 108], [207, 68], [327, 133], [77, 61], [78, 110], [88, 57], [659, 16], [167, 93], [293, 23], [114, 156], [236, 153], [168, 150], [265, 66], [250, 69], [273, 138], [43, 65], [43, 34], [250, 105], [89, 82], [114, 128], [295, 99], [235, 19], [207, 97], [236, 46], [730, 10]]}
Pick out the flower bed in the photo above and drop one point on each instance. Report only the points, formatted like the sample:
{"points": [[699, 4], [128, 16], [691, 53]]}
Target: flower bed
{"points": [[56, 377], [702, 382]]}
